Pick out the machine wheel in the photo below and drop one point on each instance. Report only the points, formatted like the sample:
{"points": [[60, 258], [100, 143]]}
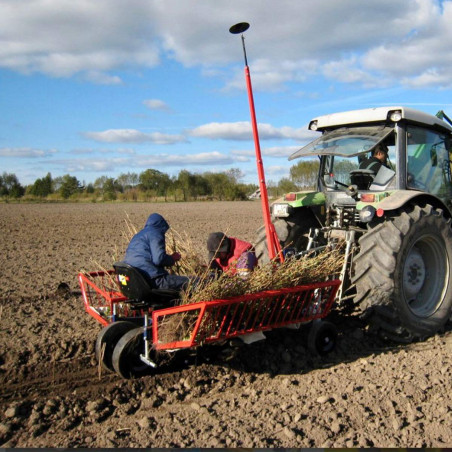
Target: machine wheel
{"points": [[292, 232], [322, 337], [110, 336], [403, 273], [126, 355]]}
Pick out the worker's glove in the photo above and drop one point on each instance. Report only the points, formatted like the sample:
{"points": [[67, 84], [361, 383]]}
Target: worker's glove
{"points": [[176, 256]]}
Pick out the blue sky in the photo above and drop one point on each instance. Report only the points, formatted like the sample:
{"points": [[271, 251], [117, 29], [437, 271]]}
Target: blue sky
{"points": [[104, 87]]}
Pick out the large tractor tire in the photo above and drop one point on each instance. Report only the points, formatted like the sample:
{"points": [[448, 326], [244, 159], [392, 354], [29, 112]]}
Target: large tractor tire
{"points": [[292, 232], [403, 274]]}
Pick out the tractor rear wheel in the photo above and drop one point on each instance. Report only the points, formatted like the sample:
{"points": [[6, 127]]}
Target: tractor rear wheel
{"points": [[107, 340], [403, 273], [126, 355]]}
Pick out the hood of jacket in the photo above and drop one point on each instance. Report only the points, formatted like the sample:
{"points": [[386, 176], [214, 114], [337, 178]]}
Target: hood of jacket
{"points": [[156, 221]]}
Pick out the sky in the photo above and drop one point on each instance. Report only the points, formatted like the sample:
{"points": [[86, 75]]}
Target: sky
{"points": [[97, 88]]}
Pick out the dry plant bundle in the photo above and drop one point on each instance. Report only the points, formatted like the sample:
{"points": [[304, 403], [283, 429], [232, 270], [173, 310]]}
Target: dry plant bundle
{"points": [[272, 276], [191, 262]]}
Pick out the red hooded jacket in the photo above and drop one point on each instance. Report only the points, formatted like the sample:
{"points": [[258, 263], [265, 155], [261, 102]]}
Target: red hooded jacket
{"points": [[236, 248]]}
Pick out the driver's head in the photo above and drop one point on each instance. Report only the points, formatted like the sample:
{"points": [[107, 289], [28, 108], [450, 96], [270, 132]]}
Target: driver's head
{"points": [[380, 152]]}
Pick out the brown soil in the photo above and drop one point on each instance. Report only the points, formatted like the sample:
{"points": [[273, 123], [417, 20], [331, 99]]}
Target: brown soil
{"points": [[272, 393]]}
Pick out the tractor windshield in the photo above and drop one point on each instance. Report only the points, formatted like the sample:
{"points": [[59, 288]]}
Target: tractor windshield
{"points": [[346, 142]]}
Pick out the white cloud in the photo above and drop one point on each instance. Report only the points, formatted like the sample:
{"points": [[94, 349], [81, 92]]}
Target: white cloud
{"points": [[133, 136], [141, 162], [157, 104], [62, 38], [26, 152], [121, 151], [347, 40], [203, 158], [243, 131]]}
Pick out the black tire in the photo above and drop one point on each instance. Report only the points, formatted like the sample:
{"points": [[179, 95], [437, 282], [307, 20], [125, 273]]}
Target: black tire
{"points": [[292, 232], [126, 355], [322, 338], [107, 340], [403, 274]]}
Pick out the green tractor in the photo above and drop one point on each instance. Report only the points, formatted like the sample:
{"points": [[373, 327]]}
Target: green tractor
{"points": [[395, 219]]}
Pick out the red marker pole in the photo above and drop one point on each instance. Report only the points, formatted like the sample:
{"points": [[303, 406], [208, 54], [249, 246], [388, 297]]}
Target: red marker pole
{"points": [[274, 248]]}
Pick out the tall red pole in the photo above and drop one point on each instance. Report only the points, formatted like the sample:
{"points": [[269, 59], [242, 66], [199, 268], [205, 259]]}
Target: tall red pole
{"points": [[274, 248]]}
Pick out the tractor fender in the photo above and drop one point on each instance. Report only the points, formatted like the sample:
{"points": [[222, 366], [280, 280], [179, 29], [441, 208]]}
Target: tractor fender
{"points": [[402, 197]]}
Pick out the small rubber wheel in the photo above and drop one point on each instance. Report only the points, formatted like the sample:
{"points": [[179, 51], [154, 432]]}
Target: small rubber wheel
{"points": [[107, 340], [126, 355], [322, 338]]}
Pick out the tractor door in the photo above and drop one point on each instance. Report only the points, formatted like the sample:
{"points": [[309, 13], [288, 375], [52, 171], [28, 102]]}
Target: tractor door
{"points": [[428, 161]]}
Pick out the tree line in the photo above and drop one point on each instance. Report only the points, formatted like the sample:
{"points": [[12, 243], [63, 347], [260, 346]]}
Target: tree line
{"points": [[152, 185]]}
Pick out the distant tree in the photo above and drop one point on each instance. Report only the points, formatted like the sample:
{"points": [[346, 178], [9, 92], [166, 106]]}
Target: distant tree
{"points": [[109, 189], [99, 182], [219, 183], [304, 173], [127, 180], [42, 187], [155, 180], [235, 174], [69, 186], [10, 186], [286, 185], [200, 186], [342, 169], [186, 182]]}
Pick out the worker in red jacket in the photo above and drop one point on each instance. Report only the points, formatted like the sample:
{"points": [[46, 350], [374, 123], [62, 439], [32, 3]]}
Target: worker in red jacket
{"points": [[230, 254]]}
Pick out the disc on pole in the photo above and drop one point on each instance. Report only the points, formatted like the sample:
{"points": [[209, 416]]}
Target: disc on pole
{"points": [[239, 28]]}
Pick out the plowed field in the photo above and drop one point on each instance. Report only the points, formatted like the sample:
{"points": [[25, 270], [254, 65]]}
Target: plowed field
{"points": [[272, 393]]}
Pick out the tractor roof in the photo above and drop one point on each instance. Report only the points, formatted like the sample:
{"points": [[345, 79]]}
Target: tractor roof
{"points": [[373, 115]]}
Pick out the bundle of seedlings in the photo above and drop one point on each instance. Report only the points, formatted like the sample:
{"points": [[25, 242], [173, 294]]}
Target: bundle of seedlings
{"points": [[191, 263], [272, 276]]}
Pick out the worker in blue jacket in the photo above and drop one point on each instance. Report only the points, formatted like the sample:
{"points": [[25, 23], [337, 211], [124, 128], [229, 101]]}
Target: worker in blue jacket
{"points": [[147, 252]]}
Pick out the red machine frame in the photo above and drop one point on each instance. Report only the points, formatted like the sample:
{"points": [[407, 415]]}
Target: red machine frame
{"points": [[214, 320]]}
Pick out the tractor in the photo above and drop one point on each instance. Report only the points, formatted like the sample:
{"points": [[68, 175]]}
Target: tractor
{"points": [[394, 223]]}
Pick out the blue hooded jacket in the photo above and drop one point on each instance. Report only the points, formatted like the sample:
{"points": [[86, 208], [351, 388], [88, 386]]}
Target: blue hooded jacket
{"points": [[146, 250]]}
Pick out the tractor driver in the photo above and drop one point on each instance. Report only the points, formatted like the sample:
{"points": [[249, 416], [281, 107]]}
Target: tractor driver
{"points": [[379, 157]]}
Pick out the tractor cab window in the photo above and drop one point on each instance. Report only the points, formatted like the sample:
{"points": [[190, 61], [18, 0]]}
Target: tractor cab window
{"points": [[344, 171], [428, 161]]}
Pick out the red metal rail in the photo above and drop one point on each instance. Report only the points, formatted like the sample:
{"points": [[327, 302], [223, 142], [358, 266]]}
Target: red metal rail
{"points": [[205, 322], [210, 321], [100, 293]]}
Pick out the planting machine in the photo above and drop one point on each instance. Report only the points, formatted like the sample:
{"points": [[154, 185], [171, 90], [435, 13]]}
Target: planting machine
{"points": [[141, 324]]}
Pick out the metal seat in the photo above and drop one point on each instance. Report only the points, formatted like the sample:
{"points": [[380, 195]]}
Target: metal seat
{"points": [[135, 286]]}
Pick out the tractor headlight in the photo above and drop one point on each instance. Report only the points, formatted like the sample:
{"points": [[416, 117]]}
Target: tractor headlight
{"points": [[395, 116], [281, 210], [313, 125], [366, 214]]}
